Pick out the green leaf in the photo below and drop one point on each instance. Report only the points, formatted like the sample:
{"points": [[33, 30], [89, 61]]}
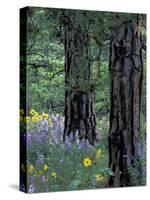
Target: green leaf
{"points": [[74, 185], [110, 172]]}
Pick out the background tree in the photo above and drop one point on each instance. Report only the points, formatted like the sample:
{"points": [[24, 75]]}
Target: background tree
{"points": [[79, 114]]}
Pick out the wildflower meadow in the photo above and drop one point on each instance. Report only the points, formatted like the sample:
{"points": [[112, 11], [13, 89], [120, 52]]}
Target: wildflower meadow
{"points": [[55, 165]]}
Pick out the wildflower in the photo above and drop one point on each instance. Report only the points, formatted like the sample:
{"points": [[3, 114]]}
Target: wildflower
{"points": [[87, 162], [57, 115], [34, 118], [82, 144], [39, 117], [99, 177], [21, 111], [31, 179], [44, 179], [98, 153], [45, 168], [50, 122], [60, 122], [30, 169], [27, 119], [68, 145], [31, 188], [32, 112], [21, 118], [45, 115], [53, 174]]}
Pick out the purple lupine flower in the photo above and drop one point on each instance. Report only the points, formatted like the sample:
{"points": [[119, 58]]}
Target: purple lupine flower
{"points": [[31, 188], [31, 180], [61, 128], [71, 137], [82, 144], [68, 144], [87, 144], [40, 158], [43, 179]]}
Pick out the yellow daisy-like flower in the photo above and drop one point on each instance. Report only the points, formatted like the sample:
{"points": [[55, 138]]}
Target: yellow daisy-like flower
{"points": [[50, 121], [45, 168], [36, 113], [34, 118], [21, 118], [99, 177], [21, 111], [39, 118], [99, 153], [27, 119], [54, 174], [45, 115], [32, 112], [60, 122], [30, 169], [87, 162]]}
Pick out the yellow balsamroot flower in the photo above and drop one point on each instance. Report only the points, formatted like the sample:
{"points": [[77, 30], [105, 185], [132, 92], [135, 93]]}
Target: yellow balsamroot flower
{"points": [[87, 162], [34, 118], [45, 115], [21, 118], [54, 174], [21, 111], [36, 113], [99, 177], [39, 117], [99, 154], [27, 119], [30, 169], [50, 121], [32, 112], [45, 168], [60, 122]]}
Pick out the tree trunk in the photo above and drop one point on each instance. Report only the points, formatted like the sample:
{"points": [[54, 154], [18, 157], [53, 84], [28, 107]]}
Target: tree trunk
{"points": [[126, 81], [79, 114]]}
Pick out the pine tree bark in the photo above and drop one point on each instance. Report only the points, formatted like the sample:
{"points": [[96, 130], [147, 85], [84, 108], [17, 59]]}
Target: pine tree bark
{"points": [[126, 81], [79, 114]]}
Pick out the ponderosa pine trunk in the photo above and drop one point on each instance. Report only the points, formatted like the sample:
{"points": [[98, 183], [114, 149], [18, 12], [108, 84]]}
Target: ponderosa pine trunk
{"points": [[79, 114], [126, 81]]}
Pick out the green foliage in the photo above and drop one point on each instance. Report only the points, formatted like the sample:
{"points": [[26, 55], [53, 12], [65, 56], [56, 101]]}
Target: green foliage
{"points": [[136, 174], [49, 158]]}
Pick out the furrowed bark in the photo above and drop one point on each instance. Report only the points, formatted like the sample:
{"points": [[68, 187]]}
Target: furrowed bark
{"points": [[126, 80], [79, 114]]}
